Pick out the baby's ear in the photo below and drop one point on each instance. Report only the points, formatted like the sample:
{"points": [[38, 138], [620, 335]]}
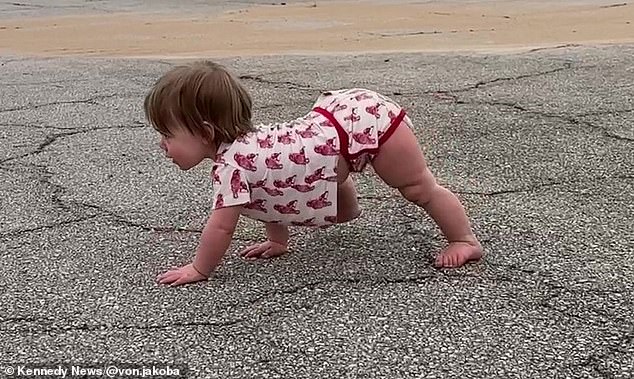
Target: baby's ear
{"points": [[209, 133]]}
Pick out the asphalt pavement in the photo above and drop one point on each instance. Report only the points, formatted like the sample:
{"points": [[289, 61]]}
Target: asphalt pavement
{"points": [[538, 145]]}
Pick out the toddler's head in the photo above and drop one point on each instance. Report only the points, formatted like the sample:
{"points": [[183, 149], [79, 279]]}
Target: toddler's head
{"points": [[203, 98]]}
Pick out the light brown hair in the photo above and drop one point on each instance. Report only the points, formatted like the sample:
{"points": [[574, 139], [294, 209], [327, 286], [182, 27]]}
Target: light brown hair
{"points": [[202, 97]]}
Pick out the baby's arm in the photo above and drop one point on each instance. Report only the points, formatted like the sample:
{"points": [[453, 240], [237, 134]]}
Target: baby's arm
{"points": [[276, 244], [214, 242], [216, 238], [277, 233]]}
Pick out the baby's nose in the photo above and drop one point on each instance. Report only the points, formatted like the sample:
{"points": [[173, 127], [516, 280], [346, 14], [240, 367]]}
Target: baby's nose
{"points": [[162, 145]]}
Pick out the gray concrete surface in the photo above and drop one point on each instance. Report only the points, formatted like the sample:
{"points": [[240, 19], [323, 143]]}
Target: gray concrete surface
{"points": [[538, 145]]}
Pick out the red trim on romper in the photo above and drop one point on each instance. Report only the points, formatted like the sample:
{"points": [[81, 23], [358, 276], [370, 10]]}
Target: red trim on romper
{"points": [[343, 135], [392, 128]]}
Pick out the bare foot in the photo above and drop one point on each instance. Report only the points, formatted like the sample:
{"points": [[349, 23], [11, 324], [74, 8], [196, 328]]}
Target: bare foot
{"points": [[459, 253]]}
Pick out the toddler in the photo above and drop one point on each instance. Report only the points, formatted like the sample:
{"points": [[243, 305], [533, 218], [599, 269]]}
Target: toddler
{"points": [[295, 173]]}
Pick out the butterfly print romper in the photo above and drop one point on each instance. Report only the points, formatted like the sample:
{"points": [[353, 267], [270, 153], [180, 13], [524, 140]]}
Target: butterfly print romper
{"points": [[286, 172]]}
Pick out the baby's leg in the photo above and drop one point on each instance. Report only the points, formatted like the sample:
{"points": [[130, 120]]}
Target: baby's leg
{"points": [[400, 163], [347, 203]]}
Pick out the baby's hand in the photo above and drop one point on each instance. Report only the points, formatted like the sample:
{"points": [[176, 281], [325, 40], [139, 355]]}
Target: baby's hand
{"points": [[181, 275], [268, 249]]}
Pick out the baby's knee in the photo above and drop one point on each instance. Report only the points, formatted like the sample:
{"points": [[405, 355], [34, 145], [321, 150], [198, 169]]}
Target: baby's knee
{"points": [[420, 192]]}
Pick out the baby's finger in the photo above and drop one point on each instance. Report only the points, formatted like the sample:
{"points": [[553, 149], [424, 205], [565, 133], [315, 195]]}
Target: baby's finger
{"points": [[266, 253], [249, 249], [255, 252], [165, 274], [272, 253], [179, 281], [166, 280], [169, 277]]}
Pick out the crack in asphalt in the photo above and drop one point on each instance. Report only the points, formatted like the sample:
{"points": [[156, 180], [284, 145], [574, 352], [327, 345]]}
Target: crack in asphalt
{"points": [[593, 361], [292, 85], [569, 119], [50, 139], [451, 96], [483, 83], [14, 233], [310, 286], [34, 126], [544, 185], [103, 212], [45, 323], [53, 83], [422, 278], [45, 180], [555, 290], [601, 113], [511, 190], [92, 327], [92, 100], [57, 191], [170, 229]]}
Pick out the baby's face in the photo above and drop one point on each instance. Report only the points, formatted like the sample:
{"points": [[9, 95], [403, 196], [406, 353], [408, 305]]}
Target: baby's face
{"points": [[184, 149]]}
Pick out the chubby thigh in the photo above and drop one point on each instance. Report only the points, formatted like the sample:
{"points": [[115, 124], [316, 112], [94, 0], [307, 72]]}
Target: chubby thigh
{"points": [[401, 164]]}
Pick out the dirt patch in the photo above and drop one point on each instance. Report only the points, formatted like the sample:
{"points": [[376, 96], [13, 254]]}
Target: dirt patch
{"points": [[337, 27]]}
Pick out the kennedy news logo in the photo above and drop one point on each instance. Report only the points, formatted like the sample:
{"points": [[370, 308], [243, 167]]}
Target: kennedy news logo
{"points": [[109, 370]]}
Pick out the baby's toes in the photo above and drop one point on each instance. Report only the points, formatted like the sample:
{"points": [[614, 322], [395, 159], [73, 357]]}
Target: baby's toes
{"points": [[441, 261], [448, 258]]}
